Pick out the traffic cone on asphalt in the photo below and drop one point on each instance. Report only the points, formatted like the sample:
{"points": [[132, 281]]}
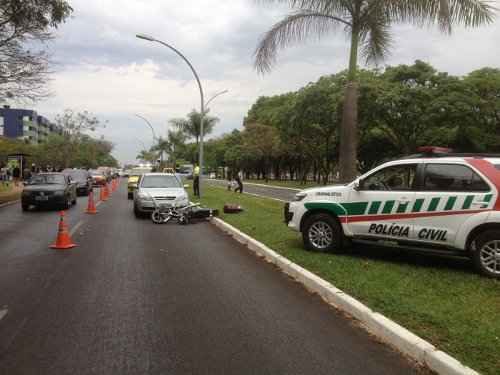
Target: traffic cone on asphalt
{"points": [[106, 190], [102, 194], [91, 206], [63, 240]]}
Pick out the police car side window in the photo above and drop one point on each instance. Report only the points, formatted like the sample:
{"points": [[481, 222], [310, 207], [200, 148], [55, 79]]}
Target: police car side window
{"points": [[396, 177], [452, 177]]}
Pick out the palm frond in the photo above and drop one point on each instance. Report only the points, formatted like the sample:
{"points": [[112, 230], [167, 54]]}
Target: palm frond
{"points": [[375, 36], [294, 28], [321, 6], [446, 13]]}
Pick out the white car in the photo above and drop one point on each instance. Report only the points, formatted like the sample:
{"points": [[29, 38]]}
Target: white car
{"points": [[438, 201], [164, 188]]}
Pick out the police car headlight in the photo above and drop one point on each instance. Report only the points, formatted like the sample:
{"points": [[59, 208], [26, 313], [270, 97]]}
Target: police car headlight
{"points": [[59, 193], [299, 196]]}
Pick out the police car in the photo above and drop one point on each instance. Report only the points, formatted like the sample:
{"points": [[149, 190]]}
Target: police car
{"points": [[435, 200]]}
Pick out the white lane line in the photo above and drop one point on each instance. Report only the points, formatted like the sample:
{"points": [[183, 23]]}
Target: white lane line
{"points": [[75, 228], [264, 185], [256, 195], [3, 313], [98, 203]]}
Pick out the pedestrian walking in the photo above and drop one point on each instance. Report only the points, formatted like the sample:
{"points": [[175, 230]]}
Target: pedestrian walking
{"points": [[16, 174], [196, 180], [239, 178]]}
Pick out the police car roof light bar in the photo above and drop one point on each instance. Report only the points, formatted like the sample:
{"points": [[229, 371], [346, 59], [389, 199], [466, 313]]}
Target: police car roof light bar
{"points": [[434, 150]]}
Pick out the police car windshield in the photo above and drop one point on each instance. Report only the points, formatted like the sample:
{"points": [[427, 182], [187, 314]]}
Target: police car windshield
{"points": [[162, 182], [43, 179]]}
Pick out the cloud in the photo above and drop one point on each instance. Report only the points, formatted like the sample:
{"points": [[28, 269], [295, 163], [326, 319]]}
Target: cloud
{"points": [[103, 68]]}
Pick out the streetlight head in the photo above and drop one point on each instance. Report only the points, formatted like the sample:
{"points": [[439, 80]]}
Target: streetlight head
{"points": [[145, 37]]}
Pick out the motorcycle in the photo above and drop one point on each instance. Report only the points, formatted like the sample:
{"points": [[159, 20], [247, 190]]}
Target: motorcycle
{"points": [[163, 213]]}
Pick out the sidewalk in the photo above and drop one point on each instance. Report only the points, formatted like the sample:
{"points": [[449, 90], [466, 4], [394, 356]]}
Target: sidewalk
{"points": [[10, 193]]}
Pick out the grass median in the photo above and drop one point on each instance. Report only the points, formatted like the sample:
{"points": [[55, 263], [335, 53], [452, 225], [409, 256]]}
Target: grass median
{"points": [[440, 299]]}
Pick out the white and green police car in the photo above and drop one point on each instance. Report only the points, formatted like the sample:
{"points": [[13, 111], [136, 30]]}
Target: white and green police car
{"points": [[433, 201]]}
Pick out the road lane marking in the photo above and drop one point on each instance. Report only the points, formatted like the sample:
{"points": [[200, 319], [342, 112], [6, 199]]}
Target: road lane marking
{"points": [[75, 228], [256, 195], [262, 185], [3, 313]]}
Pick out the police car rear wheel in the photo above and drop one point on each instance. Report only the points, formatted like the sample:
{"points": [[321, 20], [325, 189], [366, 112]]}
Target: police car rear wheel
{"points": [[322, 233], [487, 255]]}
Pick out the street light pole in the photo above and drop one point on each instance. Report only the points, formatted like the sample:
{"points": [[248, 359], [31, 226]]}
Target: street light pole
{"points": [[213, 97], [150, 126], [202, 101]]}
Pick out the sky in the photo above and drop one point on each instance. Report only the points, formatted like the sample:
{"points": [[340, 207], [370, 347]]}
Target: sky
{"points": [[100, 65]]}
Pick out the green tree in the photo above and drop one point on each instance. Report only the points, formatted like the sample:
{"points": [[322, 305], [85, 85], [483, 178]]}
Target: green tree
{"points": [[25, 27], [367, 23]]}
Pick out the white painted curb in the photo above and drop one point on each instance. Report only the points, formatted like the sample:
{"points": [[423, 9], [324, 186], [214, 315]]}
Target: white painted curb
{"points": [[377, 324], [10, 203]]}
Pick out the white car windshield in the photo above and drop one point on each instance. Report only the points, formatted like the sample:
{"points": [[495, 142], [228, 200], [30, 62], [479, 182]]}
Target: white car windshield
{"points": [[161, 182]]}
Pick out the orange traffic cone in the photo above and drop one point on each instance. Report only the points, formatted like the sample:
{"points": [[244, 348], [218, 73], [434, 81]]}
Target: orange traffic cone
{"points": [[63, 240], [91, 206], [106, 190], [102, 194]]}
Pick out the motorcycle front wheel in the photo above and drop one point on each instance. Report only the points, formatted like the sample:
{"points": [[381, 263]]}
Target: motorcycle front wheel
{"points": [[158, 217]]}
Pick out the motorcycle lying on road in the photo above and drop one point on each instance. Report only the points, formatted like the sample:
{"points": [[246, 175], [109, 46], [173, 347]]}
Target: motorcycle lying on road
{"points": [[164, 212]]}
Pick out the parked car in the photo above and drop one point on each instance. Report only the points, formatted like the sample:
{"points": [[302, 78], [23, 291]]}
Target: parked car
{"points": [[98, 178], [133, 180], [165, 188], [437, 201], [49, 190], [82, 178]]}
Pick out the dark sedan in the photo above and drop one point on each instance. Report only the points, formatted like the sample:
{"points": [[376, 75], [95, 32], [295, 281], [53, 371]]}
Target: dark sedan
{"points": [[81, 178], [49, 190]]}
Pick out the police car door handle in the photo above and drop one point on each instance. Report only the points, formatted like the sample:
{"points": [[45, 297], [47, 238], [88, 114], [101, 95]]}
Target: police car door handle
{"points": [[404, 200]]}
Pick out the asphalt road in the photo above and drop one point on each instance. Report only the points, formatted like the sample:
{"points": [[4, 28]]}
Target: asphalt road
{"points": [[139, 298], [279, 192]]}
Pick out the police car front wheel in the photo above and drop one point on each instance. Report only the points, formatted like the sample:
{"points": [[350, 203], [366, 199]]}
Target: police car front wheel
{"points": [[321, 232], [487, 253]]}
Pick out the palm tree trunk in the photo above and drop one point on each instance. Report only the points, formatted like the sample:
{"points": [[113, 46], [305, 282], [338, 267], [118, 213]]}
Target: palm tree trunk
{"points": [[349, 127]]}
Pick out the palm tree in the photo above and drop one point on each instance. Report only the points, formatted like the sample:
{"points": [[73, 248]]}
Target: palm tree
{"points": [[368, 24], [175, 139], [191, 125], [162, 146], [147, 156]]}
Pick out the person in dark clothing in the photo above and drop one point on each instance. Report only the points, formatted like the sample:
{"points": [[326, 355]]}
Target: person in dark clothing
{"points": [[16, 173], [239, 182]]}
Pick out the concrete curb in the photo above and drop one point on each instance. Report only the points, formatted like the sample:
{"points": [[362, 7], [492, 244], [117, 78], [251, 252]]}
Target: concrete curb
{"points": [[10, 203], [385, 329]]}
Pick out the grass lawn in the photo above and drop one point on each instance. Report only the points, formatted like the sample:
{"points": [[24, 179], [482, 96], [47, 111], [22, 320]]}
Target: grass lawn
{"points": [[440, 299]]}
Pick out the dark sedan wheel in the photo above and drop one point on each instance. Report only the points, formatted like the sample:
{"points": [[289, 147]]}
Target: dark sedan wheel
{"points": [[25, 207]]}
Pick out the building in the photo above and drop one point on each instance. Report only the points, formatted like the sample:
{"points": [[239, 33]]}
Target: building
{"points": [[26, 124]]}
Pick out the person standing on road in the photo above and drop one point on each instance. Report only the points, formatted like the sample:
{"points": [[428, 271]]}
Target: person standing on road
{"points": [[196, 180], [239, 178]]}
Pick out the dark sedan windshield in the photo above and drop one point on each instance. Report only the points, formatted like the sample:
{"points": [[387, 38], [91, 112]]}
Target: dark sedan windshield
{"points": [[47, 179], [160, 182]]}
